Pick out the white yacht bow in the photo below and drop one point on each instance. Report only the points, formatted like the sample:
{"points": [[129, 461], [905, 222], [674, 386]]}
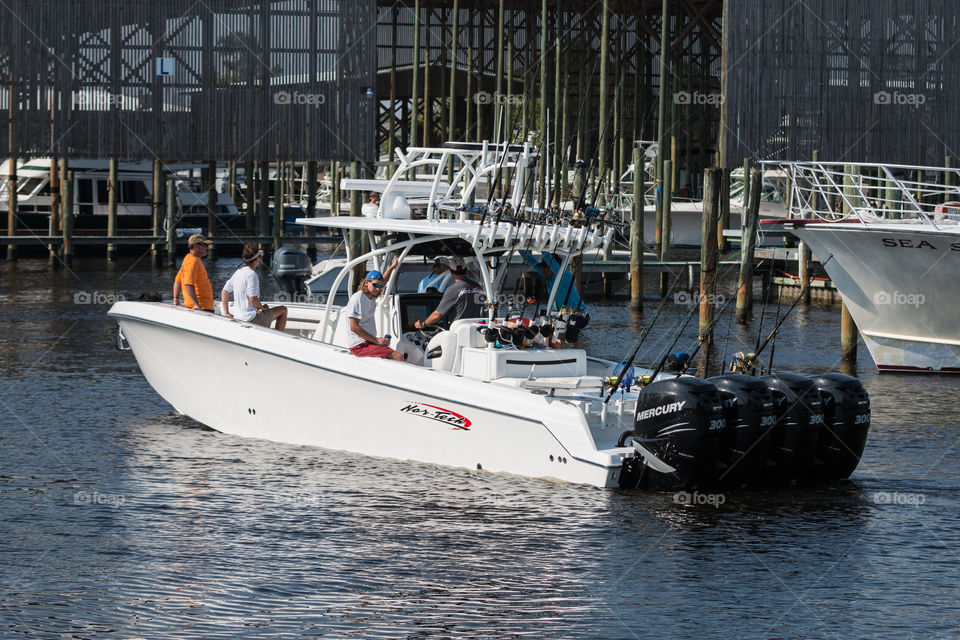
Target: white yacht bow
{"points": [[896, 254]]}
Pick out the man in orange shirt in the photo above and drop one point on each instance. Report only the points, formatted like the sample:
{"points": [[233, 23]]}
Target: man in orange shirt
{"points": [[192, 278]]}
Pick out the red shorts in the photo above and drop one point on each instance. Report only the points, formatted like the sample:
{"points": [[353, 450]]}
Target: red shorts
{"points": [[370, 350]]}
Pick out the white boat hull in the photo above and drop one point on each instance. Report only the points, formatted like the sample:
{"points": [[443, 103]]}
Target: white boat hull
{"points": [[900, 284], [260, 383]]}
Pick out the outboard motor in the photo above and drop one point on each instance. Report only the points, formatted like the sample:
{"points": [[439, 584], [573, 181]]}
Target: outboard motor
{"points": [[793, 441], [846, 413], [751, 416], [291, 267], [676, 433]]}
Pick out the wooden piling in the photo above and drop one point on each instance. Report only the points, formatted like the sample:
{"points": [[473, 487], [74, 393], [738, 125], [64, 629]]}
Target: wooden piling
{"points": [[468, 118], [13, 101], [66, 197], [427, 101], [602, 110], [748, 239], [155, 211], [12, 206], [250, 195], [712, 185], [232, 180], [53, 227], [311, 210], [848, 335], [278, 199], [112, 192], [415, 84], [747, 167], [948, 177], [803, 258], [723, 220], [263, 226], [171, 206], [452, 96], [636, 235], [210, 182], [556, 196], [666, 199], [543, 162], [355, 240], [662, 107]]}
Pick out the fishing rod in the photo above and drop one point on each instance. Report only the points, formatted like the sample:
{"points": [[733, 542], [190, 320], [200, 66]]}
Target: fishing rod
{"points": [[643, 336], [766, 299], [496, 176], [776, 328], [704, 337], [695, 307]]}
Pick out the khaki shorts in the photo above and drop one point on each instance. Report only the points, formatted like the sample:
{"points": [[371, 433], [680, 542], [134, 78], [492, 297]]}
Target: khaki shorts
{"points": [[263, 318]]}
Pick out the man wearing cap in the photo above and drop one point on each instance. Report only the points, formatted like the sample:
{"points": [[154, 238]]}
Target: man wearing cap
{"points": [[361, 310], [463, 297], [245, 285], [437, 279], [192, 278]]}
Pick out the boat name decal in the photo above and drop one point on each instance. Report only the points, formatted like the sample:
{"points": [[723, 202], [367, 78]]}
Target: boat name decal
{"points": [[439, 414], [662, 410], [906, 243]]}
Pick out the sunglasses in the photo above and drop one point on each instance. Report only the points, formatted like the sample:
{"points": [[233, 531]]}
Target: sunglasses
{"points": [[377, 285]]}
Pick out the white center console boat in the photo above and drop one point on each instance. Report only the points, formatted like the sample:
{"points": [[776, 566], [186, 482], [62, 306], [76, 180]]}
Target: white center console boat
{"points": [[491, 392]]}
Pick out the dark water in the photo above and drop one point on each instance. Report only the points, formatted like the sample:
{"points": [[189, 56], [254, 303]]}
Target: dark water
{"points": [[121, 519]]}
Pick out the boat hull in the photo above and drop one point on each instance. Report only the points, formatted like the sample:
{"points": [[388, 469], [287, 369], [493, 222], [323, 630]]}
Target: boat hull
{"points": [[259, 383], [899, 282]]}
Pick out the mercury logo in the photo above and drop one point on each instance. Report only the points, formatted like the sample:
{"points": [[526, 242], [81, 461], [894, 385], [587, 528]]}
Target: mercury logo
{"points": [[662, 410]]}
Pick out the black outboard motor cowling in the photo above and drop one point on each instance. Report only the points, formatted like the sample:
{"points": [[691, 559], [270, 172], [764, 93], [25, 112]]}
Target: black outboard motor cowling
{"points": [[793, 440], [751, 416], [846, 411], [679, 422], [291, 267]]}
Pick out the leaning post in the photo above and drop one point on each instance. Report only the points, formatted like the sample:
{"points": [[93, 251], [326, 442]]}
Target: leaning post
{"points": [[636, 235], [66, 197], [665, 199], [848, 335], [171, 206], [212, 209], [748, 241], [311, 207], [712, 185], [112, 186]]}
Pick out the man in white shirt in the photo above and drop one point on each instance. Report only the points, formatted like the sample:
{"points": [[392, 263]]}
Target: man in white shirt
{"points": [[244, 284], [361, 309]]}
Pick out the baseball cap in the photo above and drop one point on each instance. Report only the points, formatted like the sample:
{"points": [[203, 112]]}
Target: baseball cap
{"points": [[457, 265], [373, 275], [197, 239]]}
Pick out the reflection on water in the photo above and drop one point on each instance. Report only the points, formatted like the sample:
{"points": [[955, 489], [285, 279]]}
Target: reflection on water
{"points": [[122, 519]]}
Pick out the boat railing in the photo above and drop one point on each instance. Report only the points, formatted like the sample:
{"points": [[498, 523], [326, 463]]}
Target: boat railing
{"points": [[451, 174], [871, 192]]}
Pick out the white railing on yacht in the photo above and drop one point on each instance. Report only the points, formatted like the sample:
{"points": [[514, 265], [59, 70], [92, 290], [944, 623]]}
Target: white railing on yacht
{"points": [[872, 192]]}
